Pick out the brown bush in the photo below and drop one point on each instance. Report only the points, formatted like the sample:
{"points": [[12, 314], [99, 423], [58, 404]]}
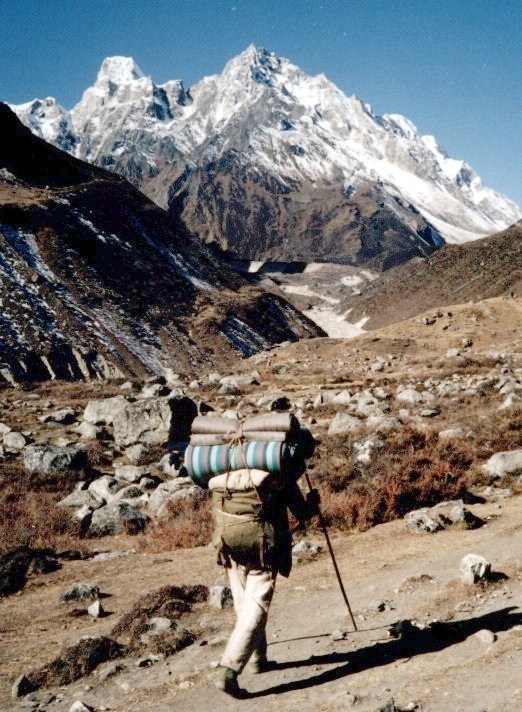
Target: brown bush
{"points": [[412, 470], [185, 525], [31, 519]]}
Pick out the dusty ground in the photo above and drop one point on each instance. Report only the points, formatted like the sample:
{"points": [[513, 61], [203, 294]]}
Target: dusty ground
{"points": [[445, 670], [453, 670]]}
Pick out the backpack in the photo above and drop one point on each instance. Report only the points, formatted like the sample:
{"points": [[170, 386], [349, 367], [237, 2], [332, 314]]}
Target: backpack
{"points": [[246, 527]]}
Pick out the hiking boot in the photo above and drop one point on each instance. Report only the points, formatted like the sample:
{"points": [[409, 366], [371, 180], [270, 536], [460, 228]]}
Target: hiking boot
{"points": [[227, 681], [256, 667]]}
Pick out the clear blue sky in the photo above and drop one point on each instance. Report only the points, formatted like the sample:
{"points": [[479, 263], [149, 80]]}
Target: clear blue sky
{"points": [[451, 66]]}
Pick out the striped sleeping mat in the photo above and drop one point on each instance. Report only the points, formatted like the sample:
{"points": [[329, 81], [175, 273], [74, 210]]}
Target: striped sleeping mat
{"points": [[204, 461]]}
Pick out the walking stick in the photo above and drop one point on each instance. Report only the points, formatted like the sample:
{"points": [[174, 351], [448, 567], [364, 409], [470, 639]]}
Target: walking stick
{"points": [[329, 543]]}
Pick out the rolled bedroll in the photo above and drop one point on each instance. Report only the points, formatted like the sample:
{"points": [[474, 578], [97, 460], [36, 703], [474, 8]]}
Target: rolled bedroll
{"points": [[266, 422], [286, 458]]}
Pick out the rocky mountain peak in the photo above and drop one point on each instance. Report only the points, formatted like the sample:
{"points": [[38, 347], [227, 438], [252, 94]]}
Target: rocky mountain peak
{"points": [[119, 70], [264, 127]]}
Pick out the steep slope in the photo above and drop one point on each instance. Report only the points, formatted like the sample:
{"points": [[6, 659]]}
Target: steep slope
{"points": [[456, 274], [95, 279], [274, 164]]}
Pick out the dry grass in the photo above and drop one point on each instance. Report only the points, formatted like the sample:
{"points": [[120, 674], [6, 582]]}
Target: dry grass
{"points": [[185, 525], [32, 519], [414, 469]]}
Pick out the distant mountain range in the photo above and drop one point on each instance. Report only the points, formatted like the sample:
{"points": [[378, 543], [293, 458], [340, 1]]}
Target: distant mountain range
{"points": [[95, 279], [271, 163]]}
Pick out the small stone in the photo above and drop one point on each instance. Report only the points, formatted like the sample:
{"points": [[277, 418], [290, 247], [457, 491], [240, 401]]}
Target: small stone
{"points": [[474, 568], [220, 597], [79, 706], [338, 635], [451, 433], [377, 606], [214, 664], [144, 662], [430, 413], [351, 699], [96, 610], [389, 706], [486, 636], [409, 395]]}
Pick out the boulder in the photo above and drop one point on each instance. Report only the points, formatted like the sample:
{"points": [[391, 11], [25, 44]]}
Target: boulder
{"points": [[342, 398], [79, 706], [80, 592], [154, 421], [510, 400], [410, 395], [104, 488], [504, 463], [343, 424], [324, 398], [136, 453], [4, 429], [486, 636], [154, 390], [80, 497], [103, 412], [171, 463], [88, 431], [14, 441], [22, 686], [129, 492], [51, 459], [421, 521], [96, 609], [65, 416], [117, 517], [132, 473], [242, 380], [363, 450], [474, 568], [383, 423]]}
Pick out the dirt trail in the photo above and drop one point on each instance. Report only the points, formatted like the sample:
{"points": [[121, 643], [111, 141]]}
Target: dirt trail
{"points": [[453, 670]]}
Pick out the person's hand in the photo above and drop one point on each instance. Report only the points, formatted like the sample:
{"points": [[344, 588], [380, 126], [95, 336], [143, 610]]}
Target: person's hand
{"points": [[312, 502]]}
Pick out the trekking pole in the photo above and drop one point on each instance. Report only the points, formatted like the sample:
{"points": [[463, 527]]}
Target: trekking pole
{"points": [[322, 524]]}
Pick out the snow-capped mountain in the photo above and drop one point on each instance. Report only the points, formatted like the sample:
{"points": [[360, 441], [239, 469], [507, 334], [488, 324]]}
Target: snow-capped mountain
{"points": [[271, 162]]}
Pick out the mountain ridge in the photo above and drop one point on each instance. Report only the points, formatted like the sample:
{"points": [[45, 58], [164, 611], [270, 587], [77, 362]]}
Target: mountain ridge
{"points": [[222, 152]]}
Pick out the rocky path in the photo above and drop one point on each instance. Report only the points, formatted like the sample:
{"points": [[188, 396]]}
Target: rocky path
{"points": [[391, 575]]}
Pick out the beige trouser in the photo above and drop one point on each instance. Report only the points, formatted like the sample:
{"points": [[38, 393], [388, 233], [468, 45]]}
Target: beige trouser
{"points": [[252, 591]]}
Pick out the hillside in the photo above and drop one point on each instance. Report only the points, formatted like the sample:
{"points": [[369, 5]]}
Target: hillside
{"points": [[478, 270], [97, 280]]}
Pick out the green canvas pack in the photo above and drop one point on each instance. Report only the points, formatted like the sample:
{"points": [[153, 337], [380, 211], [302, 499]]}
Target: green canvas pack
{"points": [[243, 530]]}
